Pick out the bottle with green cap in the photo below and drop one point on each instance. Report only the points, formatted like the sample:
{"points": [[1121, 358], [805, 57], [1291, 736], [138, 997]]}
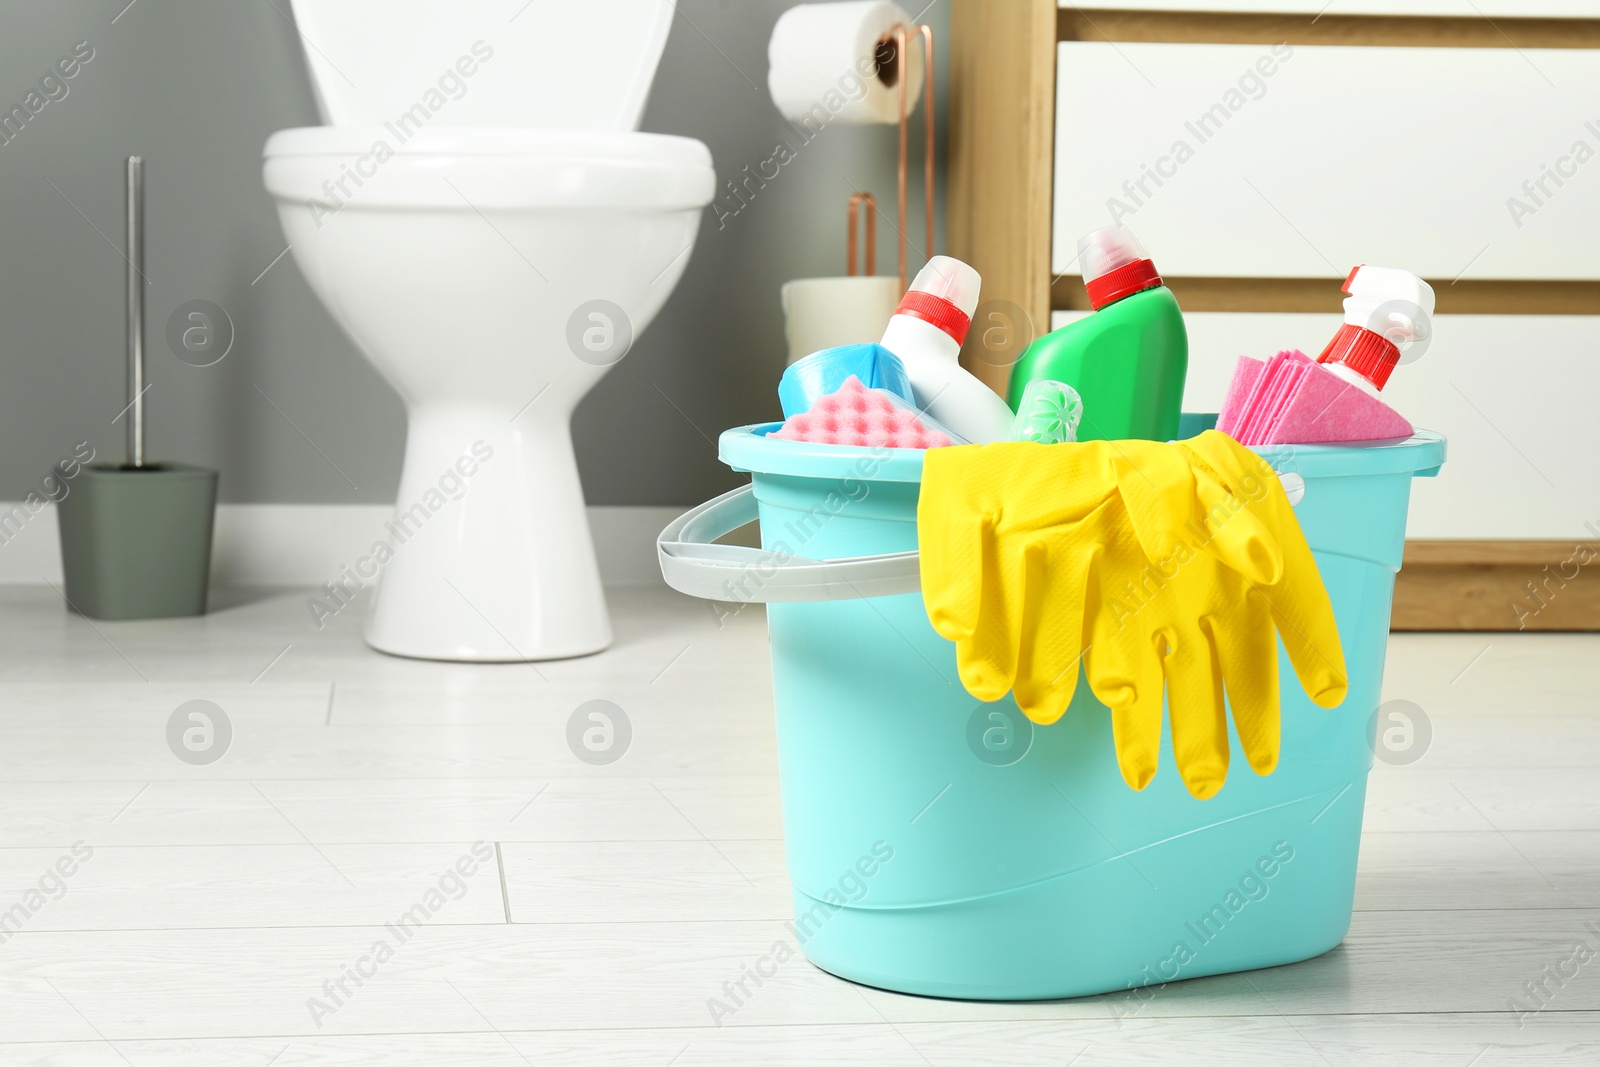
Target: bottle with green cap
{"points": [[1129, 359]]}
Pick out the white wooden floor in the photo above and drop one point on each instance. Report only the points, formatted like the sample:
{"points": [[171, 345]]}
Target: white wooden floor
{"points": [[216, 900]]}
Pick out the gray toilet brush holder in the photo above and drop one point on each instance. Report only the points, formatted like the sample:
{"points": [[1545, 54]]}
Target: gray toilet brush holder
{"points": [[136, 539]]}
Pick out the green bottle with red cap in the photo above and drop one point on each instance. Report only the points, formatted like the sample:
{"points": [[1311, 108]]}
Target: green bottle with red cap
{"points": [[1129, 359]]}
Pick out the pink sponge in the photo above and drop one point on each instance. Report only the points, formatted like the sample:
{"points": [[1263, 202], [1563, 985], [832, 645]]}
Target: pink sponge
{"points": [[856, 415]]}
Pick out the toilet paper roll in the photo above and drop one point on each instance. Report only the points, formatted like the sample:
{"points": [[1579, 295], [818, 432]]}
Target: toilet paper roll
{"points": [[823, 64], [826, 312]]}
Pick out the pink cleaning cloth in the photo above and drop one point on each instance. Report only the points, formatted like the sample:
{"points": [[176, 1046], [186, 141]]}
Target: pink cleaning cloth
{"points": [[1263, 392], [1245, 375], [1255, 382], [1327, 408], [1272, 391], [1290, 399], [856, 415], [1276, 387]]}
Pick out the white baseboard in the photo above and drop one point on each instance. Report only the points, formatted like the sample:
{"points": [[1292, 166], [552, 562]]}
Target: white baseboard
{"points": [[306, 544]]}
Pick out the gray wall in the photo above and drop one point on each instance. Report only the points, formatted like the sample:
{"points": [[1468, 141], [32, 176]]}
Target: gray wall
{"points": [[196, 86]]}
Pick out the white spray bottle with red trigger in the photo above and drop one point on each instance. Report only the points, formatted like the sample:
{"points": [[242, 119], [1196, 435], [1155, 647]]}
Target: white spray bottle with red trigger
{"points": [[1386, 308]]}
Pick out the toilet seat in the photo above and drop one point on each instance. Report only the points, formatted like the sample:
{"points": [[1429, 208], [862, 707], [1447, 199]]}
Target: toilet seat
{"points": [[500, 167]]}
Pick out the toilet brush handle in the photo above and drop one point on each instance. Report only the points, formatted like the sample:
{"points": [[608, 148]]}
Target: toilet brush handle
{"points": [[136, 386]]}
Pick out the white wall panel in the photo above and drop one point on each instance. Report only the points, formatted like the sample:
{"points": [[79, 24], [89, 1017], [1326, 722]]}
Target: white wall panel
{"points": [[1516, 396], [1342, 155]]}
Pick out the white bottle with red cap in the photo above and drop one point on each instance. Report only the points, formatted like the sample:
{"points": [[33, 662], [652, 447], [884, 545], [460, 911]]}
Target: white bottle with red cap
{"points": [[1387, 307], [926, 333]]}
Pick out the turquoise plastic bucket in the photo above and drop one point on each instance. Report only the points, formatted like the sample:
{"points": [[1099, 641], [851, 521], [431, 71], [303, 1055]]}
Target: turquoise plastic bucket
{"points": [[943, 846]]}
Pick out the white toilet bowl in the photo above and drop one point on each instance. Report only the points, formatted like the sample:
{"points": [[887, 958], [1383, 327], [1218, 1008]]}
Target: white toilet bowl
{"points": [[492, 274]]}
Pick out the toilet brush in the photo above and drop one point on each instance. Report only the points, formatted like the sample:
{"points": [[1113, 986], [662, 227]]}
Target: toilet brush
{"points": [[136, 538]]}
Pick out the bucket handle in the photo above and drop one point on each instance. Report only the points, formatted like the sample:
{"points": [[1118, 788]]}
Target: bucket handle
{"points": [[692, 564]]}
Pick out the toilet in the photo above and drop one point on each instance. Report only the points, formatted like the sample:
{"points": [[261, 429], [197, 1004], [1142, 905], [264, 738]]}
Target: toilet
{"points": [[483, 220]]}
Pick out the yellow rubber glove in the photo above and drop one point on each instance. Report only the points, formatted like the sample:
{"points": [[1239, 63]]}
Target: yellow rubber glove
{"points": [[1299, 601], [1229, 571], [1179, 563], [1007, 534]]}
